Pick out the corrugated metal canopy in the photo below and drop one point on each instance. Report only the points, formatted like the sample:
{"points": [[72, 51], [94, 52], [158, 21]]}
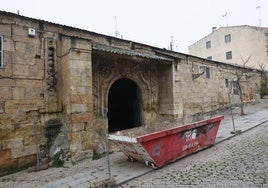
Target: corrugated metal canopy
{"points": [[120, 51]]}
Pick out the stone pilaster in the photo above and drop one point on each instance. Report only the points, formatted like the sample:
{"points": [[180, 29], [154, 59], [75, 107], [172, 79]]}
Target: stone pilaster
{"points": [[78, 96]]}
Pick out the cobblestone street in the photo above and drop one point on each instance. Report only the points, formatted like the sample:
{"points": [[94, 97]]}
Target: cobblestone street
{"points": [[238, 162]]}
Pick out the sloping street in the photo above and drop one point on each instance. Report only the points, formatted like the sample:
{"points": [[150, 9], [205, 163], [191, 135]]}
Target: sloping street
{"points": [[238, 162]]}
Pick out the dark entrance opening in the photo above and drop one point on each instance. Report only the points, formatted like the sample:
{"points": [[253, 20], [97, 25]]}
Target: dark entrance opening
{"points": [[124, 105]]}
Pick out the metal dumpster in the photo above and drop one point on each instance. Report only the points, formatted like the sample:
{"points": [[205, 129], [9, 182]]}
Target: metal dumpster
{"points": [[161, 147]]}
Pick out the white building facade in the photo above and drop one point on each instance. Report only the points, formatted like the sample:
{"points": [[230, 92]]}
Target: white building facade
{"points": [[236, 45]]}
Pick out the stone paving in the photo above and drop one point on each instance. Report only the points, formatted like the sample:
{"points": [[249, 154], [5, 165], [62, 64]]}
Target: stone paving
{"points": [[87, 173], [239, 162]]}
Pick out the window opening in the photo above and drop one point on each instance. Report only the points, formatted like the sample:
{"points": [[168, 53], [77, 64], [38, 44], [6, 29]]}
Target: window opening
{"points": [[229, 55], [208, 44], [235, 88], [207, 72], [227, 38]]}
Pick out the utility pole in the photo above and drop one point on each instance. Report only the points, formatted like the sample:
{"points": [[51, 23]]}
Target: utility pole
{"points": [[234, 131]]}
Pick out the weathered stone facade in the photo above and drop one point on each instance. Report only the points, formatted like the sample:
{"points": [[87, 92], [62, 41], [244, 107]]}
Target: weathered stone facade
{"points": [[64, 77]]}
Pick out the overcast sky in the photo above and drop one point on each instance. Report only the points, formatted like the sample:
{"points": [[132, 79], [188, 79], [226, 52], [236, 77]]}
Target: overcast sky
{"points": [[152, 22]]}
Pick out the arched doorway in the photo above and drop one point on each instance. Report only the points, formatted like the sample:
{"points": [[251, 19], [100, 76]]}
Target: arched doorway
{"points": [[124, 105]]}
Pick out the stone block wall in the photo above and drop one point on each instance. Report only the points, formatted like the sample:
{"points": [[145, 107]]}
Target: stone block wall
{"points": [[166, 89], [25, 93], [21, 86], [49, 77], [201, 94]]}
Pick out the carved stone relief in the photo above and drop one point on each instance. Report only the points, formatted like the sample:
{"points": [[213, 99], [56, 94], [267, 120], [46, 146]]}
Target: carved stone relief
{"points": [[106, 72], [51, 79]]}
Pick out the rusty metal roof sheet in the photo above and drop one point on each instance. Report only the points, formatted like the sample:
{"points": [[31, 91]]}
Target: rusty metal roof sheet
{"points": [[121, 51]]}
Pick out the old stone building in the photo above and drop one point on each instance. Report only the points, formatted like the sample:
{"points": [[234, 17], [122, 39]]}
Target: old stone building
{"points": [[65, 88]]}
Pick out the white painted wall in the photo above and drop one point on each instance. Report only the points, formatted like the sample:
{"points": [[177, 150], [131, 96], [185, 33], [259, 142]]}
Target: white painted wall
{"points": [[246, 41]]}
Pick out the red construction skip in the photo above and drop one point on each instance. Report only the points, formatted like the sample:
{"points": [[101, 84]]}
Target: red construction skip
{"points": [[161, 147]]}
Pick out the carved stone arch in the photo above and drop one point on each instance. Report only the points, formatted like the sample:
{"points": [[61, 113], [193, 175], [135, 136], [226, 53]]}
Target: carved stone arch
{"points": [[138, 82], [124, 109]]}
